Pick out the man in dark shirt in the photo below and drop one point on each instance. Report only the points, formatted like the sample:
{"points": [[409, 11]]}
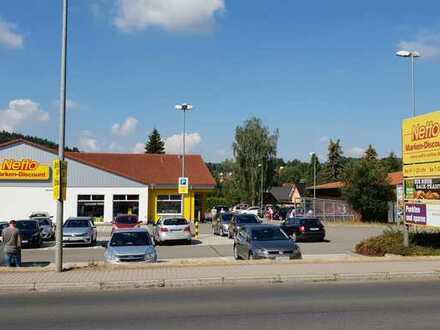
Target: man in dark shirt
{"points": [[12, 245]]}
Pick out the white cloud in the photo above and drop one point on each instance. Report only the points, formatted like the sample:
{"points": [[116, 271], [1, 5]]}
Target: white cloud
{"points": [[87, 141], [172, 15], [324, 139], [173, 144], [21, 112], [355, 152], [139, 148], [427, 43], [126, 128], [8, 36]]}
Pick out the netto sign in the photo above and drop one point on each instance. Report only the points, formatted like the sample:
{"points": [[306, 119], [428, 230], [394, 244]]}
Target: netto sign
{"points": [[23, 170]]}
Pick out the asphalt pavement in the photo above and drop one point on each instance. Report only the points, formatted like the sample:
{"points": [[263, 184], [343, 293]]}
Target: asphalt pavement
{"points": [[340, 240], [378, 305]]}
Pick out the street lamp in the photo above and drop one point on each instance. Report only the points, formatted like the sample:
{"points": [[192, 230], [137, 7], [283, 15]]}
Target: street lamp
{"points": [[313, 155], [183, 107], [262, 187], [412, 55]]}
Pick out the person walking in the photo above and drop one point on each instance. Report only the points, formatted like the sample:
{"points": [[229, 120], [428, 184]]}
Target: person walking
{"points": [[12, 245]]}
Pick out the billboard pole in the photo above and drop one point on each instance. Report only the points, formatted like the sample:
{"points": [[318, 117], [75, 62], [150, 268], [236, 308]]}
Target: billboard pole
{"points": [[61, 143]]}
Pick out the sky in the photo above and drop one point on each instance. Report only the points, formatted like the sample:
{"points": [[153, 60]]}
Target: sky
{"points": [[315, 70]]}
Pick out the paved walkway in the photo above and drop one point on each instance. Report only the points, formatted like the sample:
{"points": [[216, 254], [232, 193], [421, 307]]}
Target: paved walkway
{"points": [[218, 271]]}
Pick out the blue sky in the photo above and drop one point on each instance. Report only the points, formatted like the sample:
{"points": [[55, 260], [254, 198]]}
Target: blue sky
{"points": [[312, 69]]}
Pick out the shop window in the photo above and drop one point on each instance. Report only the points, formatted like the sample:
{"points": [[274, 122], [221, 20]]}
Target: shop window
{"points": [[125, 204], [90, 206], [169, 204]]}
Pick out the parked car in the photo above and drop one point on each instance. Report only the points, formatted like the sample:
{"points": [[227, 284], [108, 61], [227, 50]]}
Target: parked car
{"points": [[264, 242], [172, 229], [130, 245], [240, 220], [39, 214], [125, 221], [217, 210], [79, 230], [47, 228], [29, 233], [255, 210], [304, 228], [221, 223]]}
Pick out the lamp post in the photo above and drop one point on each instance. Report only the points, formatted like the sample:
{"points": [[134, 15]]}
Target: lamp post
{"points": [[61, 141], [313, 155], [412, 55], [262, 187], [183, 107]]}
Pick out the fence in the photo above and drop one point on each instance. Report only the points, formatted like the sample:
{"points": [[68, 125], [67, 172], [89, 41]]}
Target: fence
{"points": [[325, 209]]}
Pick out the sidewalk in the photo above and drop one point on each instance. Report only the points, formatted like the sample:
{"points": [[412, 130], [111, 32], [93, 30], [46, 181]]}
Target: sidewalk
{"points": [[219, 271]]}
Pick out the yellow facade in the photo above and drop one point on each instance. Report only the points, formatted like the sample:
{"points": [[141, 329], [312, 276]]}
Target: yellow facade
{"points": [[189, 203]]}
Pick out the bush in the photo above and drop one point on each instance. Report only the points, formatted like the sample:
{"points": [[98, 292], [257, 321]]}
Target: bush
{"points": [[213, 201], [391, 242]]}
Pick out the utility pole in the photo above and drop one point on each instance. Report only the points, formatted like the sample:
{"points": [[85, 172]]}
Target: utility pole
{"points": [[262, 187], [61, 142]]}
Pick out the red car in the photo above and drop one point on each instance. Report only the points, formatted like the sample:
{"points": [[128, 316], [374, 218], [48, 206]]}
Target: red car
{"points": [[125, 221]]}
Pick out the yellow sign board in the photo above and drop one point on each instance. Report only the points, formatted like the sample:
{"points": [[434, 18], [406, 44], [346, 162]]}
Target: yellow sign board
{"points": [[421, 139], [183, 185], [23, 170], [59, 180], [422, 170]]}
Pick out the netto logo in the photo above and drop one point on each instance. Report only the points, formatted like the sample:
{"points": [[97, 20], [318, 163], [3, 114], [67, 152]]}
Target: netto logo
{"points": [[19, 165], [429, 130]]}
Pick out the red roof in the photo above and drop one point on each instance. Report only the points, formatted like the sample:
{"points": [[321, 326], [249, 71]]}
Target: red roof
{"points": [[395, 178], [151, 169]]}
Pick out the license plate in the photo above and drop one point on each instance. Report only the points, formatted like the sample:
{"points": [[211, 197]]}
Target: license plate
{"points": [[176, 230], [25, 241], [314, 229], [282, 258]]}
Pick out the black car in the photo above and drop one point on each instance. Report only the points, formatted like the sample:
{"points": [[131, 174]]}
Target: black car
{"points": [[304, 228], [220, 224], [240, 220], [30, 233]]}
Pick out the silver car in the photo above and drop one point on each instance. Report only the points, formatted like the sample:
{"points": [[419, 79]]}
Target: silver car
{"points": [[130, 245], [79, 230], [172, 229], [47, 229]]}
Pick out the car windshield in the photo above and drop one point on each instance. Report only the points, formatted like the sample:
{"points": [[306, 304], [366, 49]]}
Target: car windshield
{"points": [[247, 219], [27, 225], [44, 222], [175, 222], [130, 239], [77, 223], [293, 221], [127, 219], [226, 218], [268, 234]]}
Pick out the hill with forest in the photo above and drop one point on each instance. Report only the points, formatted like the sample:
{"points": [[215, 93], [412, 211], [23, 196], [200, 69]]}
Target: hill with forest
{"points": [[8, 136]]}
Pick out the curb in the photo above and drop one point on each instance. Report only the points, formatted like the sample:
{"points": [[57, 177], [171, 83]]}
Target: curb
{"points": [[216, 281]]}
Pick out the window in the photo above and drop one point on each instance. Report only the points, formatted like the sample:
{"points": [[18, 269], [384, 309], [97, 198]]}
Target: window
{"points": [[90, 206], [169, 204], [125, 204]]}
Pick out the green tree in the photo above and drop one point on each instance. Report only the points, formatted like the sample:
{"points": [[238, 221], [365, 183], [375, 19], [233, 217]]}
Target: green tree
{"points": [[370, 154], [392, 163], [154, 145], [254, 145], [335, 163], [367, 189]]}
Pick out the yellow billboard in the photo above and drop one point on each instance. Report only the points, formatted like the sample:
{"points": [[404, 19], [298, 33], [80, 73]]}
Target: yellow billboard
{"points": [[422, 170], [23, 170], [421, 139]]}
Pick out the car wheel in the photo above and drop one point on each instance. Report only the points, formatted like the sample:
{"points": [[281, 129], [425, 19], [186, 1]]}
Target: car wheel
{"points": [[213, 231], [236, 256], [188, 242], [229, 234], [251, 256]]}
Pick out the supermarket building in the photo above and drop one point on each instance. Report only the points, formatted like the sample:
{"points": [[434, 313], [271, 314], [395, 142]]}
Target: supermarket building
{"points": [[102, 185]]}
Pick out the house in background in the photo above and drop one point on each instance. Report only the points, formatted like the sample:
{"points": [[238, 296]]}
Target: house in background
{"points": [[288, 193]]}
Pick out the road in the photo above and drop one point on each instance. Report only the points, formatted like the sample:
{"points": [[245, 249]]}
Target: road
{"points": [[340, 240], [390, 305]]}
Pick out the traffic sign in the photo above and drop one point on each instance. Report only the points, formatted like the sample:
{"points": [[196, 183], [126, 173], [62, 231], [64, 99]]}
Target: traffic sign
{"points": [[183, 185]]}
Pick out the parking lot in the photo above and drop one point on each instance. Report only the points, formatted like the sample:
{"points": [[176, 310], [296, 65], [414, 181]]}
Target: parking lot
{"points": [[340, 239]]}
